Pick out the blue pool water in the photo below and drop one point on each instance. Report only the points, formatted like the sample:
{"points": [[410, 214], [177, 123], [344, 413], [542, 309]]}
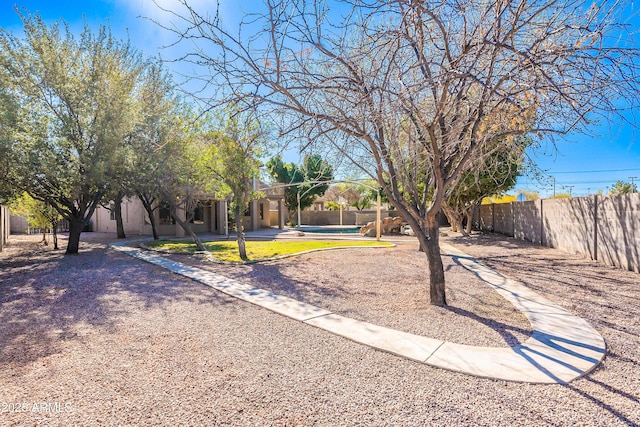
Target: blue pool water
{"points": [[331, 230]]}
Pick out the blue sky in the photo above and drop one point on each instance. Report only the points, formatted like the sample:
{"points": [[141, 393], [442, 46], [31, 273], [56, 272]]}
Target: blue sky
{"points": [[587, 164]]}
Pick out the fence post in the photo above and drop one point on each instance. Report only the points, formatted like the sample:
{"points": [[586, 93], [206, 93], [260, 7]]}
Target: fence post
{"points": [[513, 218], [541, 222], [595, 227], [493, 217]]}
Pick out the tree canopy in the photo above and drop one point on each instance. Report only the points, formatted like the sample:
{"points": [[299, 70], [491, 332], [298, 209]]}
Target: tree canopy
{"points": [[234, 159], [622, 187], [309, 180], [492, 176], [415, 92], [355, 195], [75, 107], [161, 118], [38, 214]]}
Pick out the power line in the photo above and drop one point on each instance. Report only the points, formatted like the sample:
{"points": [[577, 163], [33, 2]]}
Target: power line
{"points": [[600, 171], [608, 181]]}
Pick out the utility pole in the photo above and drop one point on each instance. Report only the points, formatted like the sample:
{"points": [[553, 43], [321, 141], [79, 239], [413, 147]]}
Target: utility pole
{"points": [[298, 208], [570, 187], [633, 187]]}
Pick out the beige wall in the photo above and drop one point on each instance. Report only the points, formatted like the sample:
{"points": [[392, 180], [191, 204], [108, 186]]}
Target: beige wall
{"points": [[133, 218], [606, 228], [133, 215], [618, 233], [18, 225], [503, 219], [348, 217], [568, 225], [527, 221], [264, 220]]}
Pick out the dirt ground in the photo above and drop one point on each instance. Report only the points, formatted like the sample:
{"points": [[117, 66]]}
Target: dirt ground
{"points": [[103, 339]]}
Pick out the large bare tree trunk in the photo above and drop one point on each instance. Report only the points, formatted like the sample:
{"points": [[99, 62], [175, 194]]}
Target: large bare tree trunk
{"points": [[78, 219], [468, 213], [455, 218], [429, 240], [436, 269], [154, 226], [452, 217], [242, 250], [430, 244]]}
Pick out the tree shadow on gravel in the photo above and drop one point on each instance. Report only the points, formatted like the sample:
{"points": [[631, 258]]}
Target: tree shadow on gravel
{"points": [[586, 287], [505, 330], [607, 406], [47, 298], [604, 296], [387, 290], [272, 277]]}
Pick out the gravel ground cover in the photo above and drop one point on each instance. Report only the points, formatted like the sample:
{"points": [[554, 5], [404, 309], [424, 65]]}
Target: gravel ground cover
{"points": [[103, 339], [387, 287]]}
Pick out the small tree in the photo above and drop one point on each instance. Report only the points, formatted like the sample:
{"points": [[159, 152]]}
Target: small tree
{"points": [[561, 196], [8, 120], [38, 214], [360, 197], [160, 113], [497, 174], [185, 176], [622, 187], [234, 159], [305, 182], [332, 206]]}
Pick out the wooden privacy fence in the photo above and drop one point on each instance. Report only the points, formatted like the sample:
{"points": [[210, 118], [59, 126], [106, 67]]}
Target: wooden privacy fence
{"points": [[603, 228]]}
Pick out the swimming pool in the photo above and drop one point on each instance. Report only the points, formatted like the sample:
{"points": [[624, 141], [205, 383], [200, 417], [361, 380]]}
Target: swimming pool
{"points": [[332, 229]]}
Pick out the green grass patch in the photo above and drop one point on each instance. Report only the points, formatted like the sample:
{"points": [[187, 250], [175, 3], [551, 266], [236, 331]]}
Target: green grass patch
{"points": [[227, 250]]}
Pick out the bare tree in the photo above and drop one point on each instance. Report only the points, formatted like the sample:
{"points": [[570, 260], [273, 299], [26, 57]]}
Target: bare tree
{"points": [[415, 91]]}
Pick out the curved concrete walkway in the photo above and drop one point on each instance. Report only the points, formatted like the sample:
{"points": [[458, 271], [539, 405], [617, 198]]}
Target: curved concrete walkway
{"points": [[563, 347]]}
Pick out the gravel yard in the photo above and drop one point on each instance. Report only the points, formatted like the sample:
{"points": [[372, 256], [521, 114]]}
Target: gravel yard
{"points": [[104, 339]]}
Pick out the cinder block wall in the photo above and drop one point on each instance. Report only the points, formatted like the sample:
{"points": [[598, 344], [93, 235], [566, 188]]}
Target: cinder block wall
{"points": [[527, 221], [486, 217], [606, 228], [618, 235], [503, 219], [569, 225]]}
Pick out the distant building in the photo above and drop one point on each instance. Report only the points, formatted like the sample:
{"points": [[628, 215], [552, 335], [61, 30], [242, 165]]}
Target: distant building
{"points": [[211, 216]]}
